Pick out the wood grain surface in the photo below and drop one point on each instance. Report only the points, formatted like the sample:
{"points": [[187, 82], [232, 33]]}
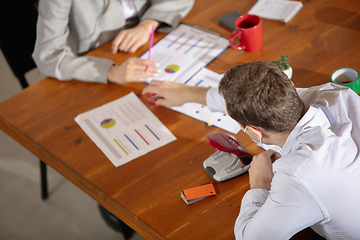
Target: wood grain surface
{"points": [[145, 193]]}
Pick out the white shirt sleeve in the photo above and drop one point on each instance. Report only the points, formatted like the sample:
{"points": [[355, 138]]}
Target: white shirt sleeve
{"points": [[279, 214], [215, 101]]}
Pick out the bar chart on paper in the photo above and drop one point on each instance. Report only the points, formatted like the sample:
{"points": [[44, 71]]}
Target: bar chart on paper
{"points": [[124, 129], [184, 51]]}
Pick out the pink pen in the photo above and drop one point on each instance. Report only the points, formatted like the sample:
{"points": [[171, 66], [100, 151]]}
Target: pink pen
{"points": [[150, 44]]}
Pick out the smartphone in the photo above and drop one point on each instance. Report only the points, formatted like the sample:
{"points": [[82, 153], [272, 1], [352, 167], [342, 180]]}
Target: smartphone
{"points": [[229, 19]]}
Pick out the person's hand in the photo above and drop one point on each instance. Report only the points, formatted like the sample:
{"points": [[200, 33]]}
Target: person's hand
{"points": [[130, 40], [260, 172], [133, 70], [171, 94]]}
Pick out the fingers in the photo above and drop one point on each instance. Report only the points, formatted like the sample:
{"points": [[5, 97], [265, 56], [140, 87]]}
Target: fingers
{"points": [[152, 89], [162, 102], [123, 42], [275, 156], [142, 62], [139, 66], [130, 40], [135, 46], [272, 155], [133, 70], [136, 79], [267, 156], [126, 43], [155, 82], [260, 172], [115, 44]]}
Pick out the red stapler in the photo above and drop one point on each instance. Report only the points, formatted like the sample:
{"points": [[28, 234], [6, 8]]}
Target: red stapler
{"points": [[230, 160]]}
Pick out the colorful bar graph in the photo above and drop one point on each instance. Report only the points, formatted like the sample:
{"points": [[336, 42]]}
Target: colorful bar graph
{"points": [[185, 42], [194, 45], [207, 45], [177, 39]]}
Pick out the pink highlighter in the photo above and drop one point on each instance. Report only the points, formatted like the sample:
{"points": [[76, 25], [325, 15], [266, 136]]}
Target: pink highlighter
{"points": [[150, 44]]}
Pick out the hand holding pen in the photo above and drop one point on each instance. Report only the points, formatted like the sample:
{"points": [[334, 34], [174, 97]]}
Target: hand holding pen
{"points": [[134, 69]]}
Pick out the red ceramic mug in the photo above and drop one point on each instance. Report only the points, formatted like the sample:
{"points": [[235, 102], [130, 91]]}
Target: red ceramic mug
{"points": [[249, 30]]}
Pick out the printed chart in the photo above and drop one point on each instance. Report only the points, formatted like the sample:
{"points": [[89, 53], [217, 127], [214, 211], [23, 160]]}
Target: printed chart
{"points": [[207, 78], [184, 51], [124, 129]]}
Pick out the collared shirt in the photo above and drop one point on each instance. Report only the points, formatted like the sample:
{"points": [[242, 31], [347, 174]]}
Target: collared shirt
{"points": [[317, 180]]}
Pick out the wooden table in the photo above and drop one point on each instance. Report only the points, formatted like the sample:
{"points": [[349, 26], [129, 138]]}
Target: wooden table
{"points": [[145, 193]]}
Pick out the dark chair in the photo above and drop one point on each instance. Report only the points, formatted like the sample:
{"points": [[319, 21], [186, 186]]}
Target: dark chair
{"points": [[18, 27], [115, 223]]}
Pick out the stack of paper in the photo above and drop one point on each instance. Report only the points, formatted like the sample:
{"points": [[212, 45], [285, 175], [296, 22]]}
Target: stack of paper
{"points": [[278, 10]]}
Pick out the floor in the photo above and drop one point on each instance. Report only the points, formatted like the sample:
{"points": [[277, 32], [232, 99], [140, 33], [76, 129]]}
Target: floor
{"points": [[68, 213]]}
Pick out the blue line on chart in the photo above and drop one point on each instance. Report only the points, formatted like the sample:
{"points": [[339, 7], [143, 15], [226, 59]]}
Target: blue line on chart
{"points": [[176, 40], [152, 132], [197, 84], [194, 45], [131, 141]]}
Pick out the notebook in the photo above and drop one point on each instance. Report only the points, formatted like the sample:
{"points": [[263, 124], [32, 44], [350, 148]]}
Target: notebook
{"points": [[278, 10]]}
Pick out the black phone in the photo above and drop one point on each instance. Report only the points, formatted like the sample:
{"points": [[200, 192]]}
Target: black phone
{"points": [[229, 19]]}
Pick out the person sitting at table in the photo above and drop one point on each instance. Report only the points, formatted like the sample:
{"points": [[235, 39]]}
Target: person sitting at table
{"points": [[66, 30], [315, 179]]}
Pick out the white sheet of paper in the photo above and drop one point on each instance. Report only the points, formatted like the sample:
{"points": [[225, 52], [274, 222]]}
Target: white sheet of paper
{"points": [[278, 10], [208, 78], [184, 51], [124, 129]]}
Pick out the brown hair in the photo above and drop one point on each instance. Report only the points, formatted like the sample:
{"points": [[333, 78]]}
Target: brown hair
{"points": [[260, 94]]}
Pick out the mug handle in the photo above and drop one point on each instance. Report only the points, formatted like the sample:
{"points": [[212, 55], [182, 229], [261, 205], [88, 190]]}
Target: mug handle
{"points": [[233, 35]]}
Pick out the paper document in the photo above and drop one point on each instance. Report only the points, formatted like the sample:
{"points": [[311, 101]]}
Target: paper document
{"points": [[278, 10], [184, 51], [124, 129], [207, 78]]}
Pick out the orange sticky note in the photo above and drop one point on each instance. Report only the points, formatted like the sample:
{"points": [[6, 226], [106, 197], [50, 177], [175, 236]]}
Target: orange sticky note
{"points": [[195, 194]]}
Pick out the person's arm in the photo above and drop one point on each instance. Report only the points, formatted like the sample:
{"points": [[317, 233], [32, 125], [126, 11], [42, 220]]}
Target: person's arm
{"points": [[172, 94], [276, 212], [53, 56], [176, 94], [168, 13]]}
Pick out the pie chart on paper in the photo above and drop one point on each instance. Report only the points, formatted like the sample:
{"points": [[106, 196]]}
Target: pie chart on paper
{"points": [[107, 123], [173, 68]]}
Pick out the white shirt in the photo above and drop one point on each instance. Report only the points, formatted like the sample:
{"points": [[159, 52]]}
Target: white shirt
{"points": [[317, 180], [129, 9]]}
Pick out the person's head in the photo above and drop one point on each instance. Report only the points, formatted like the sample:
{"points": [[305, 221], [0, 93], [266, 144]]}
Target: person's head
{"points": [[260, 94]]}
